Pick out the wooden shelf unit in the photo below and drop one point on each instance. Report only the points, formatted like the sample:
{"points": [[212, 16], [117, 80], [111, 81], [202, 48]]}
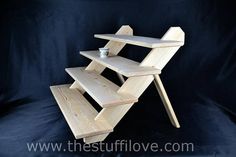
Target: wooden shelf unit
{"points": [[84, 121]]}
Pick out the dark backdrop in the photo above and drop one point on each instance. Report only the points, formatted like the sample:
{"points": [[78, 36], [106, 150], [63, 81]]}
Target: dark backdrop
{"points": [[40, 38]]}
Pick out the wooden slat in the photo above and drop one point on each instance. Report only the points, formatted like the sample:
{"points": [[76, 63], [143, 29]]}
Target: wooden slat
{"points": [[103, 91], [139, 40], [78, 112], [121, 65]]}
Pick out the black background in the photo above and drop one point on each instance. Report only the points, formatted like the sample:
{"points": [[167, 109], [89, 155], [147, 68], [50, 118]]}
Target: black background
{"points": [[40, 38]]}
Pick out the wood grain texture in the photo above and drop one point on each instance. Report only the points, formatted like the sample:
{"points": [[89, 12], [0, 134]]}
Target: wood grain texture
{"points": [[77, 86], [115, 114], [159, 57], [121, 65], [114, 48], [102, 90], [78, 112], [95, 126], [139, 40], [137, 85], [134, 85]]}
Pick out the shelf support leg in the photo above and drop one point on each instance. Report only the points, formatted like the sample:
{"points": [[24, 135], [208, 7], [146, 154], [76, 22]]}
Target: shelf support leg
{"points": [[76, 85], [166, 101], [121, 78]]}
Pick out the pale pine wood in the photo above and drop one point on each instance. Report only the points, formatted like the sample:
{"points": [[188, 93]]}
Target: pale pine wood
{"points": [[166, 101], [114, 48], [162, 57], [137, 85], [102, 90], [76, 85], [140, 41], [159, 57], [134, 85], [78, 112], [121, 65]]}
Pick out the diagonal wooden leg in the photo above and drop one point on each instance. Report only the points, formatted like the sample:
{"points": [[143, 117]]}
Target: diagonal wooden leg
{"points": [[121, 78], [166, 101], [76, 85]]}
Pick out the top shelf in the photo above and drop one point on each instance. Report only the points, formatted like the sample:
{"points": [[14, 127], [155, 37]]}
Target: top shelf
{"points": [[140, 41]]}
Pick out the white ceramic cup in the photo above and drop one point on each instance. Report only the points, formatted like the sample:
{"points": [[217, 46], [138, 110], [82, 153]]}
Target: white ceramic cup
{"points": [[103, 52]]}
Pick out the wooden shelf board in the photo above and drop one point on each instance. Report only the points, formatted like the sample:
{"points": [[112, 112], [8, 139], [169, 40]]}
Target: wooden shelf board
{"points": [[140, 41], [121, 65], [102, 90], [78, 112]]}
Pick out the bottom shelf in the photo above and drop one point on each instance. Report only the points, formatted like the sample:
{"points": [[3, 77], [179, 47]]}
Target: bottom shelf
{"points": [[78, 112]]}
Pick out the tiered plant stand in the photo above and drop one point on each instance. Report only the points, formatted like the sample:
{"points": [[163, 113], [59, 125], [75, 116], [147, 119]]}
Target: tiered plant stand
{"points": [[84, 121]]}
